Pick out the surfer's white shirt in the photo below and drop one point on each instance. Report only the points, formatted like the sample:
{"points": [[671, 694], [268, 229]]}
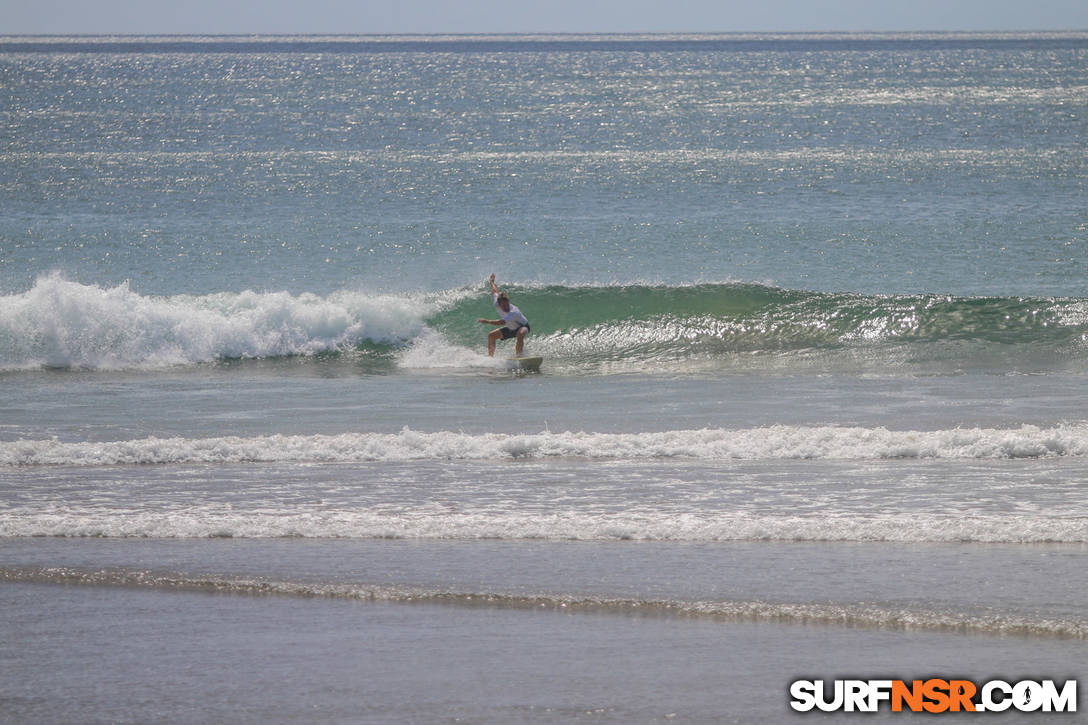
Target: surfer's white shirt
{"points": [[513, 319]]}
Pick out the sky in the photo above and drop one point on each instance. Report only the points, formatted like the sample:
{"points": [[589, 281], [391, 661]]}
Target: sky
{"points": [[531, 16]]}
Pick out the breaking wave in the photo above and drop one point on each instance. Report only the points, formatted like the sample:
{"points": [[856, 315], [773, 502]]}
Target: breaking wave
{"points": [[63, 324]]}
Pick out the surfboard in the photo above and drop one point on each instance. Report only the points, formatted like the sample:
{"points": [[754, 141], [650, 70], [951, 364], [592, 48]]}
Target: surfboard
{"points": [[529, 364]]}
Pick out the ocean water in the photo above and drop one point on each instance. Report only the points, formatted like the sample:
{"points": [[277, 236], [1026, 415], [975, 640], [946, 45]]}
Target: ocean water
{"points": [[814, 321]]}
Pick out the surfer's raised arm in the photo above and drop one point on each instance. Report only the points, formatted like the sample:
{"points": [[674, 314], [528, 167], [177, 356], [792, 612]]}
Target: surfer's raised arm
{"points": [[494, 291]]}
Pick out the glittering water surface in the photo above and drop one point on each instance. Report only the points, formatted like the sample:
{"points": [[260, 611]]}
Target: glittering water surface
{"points": [[813, 321]]}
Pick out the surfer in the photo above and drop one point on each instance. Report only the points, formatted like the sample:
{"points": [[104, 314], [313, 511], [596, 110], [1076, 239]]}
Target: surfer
{"points": [[514, 324]]}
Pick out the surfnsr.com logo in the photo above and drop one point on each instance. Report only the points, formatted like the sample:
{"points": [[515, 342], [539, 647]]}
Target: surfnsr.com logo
{"points": [[933, 695]]}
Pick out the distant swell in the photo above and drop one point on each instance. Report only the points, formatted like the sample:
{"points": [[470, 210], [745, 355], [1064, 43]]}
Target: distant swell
{"points": [[841, 615], [778, 442]]}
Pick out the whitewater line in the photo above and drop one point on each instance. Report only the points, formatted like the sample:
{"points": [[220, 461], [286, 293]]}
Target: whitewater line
{"points": [[777, 442], [215, 522], [843, 615]]}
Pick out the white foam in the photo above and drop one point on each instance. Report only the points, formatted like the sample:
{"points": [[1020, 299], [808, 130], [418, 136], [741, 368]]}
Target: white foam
{"points": [[209, 521], [778, 442], [60, 323]]}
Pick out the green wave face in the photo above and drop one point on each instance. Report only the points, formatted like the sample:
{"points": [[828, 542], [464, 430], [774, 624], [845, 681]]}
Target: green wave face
{"points": [[703, 321]]}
